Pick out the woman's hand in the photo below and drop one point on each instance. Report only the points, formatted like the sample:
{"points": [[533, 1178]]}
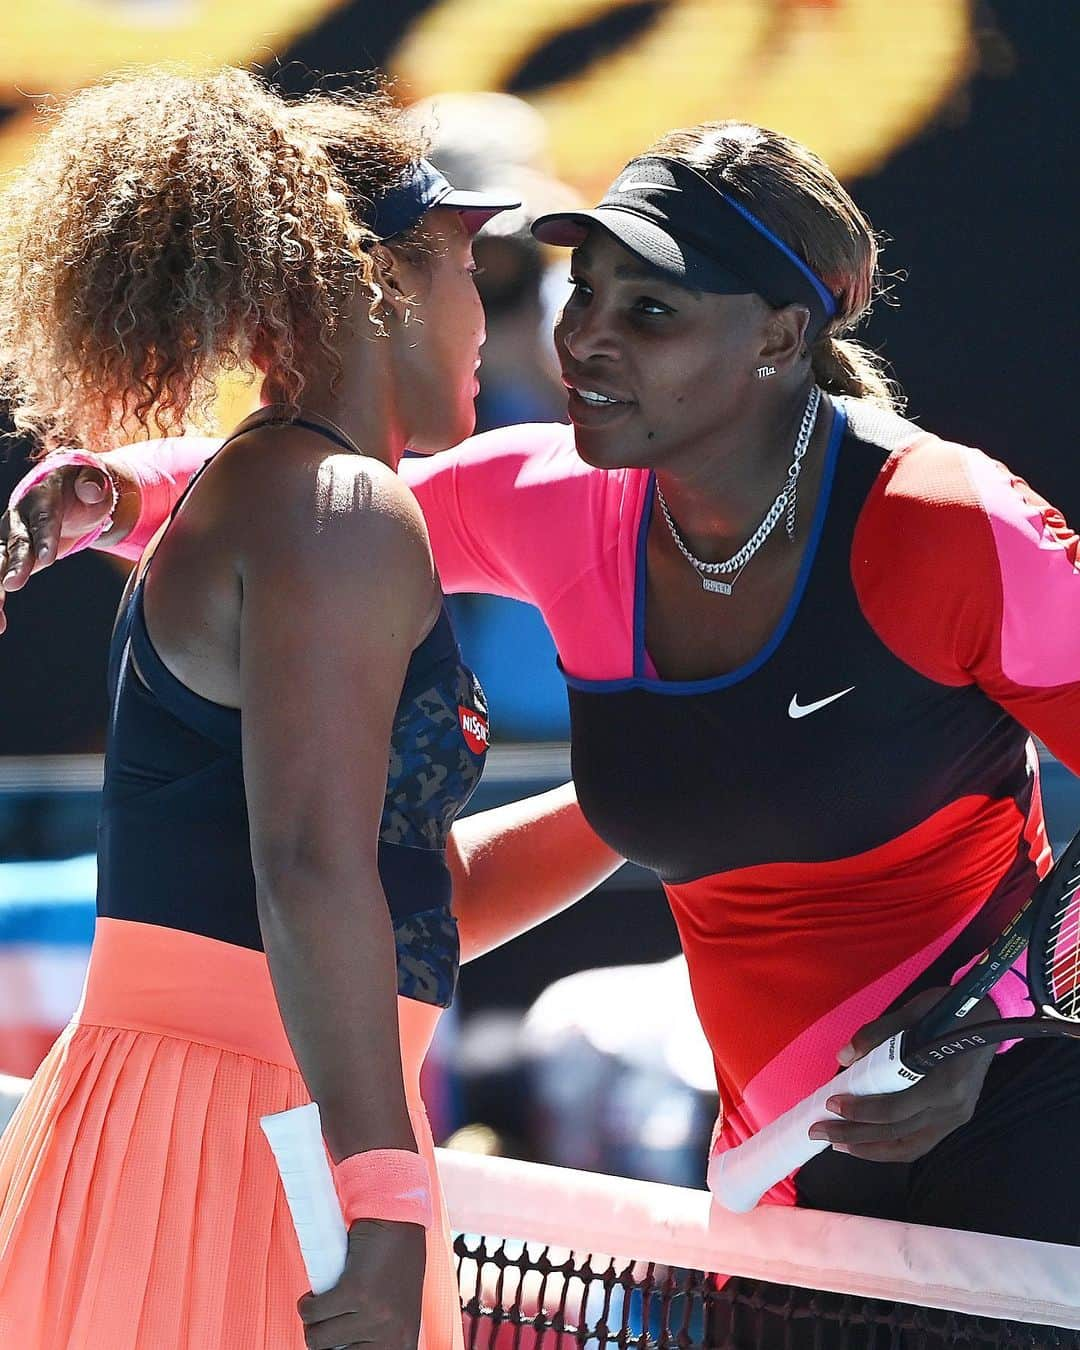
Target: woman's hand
{"points": [[63, 507], [376, 1303], [903, 1126]]}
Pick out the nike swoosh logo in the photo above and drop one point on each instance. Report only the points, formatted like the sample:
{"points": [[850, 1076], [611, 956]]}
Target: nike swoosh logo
{"points": [[797, 709], [639, 185]]}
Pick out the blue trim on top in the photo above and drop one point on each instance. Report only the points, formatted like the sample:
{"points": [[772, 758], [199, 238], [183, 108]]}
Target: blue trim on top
{"points": [[639, 680], [825, 295], [640, 573]]}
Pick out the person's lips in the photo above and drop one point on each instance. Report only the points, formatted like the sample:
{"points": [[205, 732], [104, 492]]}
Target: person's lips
{"points": [[594, 404], [595, 392]]}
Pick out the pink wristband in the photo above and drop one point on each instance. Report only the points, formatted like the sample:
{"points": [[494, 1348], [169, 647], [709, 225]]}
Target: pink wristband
{"points": [[67, 459], [1010, 995], [385, 1183]]}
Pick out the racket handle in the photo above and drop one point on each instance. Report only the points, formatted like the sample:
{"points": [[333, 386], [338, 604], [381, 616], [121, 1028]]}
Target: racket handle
{"points": [[739, 1177], [297, 1141]]}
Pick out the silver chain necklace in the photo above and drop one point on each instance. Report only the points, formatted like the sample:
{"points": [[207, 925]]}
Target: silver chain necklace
{"points": [[785, 504]]}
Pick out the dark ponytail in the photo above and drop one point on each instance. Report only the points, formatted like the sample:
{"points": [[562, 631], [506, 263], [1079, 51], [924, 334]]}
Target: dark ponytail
{"points": [[843, 366]]}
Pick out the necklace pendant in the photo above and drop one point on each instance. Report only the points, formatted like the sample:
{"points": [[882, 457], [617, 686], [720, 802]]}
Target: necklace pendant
{"points": [[718, 587]]}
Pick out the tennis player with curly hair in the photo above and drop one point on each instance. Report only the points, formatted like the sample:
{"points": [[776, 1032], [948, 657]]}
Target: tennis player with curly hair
{"points": [[292, 731]]}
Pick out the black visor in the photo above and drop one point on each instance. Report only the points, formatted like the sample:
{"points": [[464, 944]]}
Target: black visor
{"points": [[672, 218], [399, 209]]}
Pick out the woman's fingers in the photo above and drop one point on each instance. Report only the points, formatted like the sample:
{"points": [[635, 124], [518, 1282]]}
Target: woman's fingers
{"points": [[868, 1132], [903, 1150], [871, 1035], [18, 550], [901, 1126], [92, 487]]}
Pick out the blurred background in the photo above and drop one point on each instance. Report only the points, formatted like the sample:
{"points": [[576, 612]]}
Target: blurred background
{"points": [[950, 121]]}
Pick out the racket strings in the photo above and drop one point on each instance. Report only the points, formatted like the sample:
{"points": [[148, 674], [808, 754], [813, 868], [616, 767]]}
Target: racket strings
{"points": [[1061, 961]]}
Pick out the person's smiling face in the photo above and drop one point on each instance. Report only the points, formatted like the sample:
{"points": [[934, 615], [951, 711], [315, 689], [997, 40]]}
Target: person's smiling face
{"points": [[652, 369]]}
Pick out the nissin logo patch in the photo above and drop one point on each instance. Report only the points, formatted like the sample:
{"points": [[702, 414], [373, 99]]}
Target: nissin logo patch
{"points": [[475, 729]]}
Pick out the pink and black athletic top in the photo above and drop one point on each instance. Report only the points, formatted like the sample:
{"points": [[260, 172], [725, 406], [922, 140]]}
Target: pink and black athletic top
{"points": [[855, 813]]}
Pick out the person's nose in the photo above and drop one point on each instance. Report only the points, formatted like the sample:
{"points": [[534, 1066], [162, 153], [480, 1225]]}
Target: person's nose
{"points": [[588, 334]]}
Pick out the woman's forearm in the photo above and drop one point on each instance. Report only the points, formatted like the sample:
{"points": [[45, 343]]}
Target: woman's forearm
{"points": [[330, 947], [517, 865], [149, 480]]}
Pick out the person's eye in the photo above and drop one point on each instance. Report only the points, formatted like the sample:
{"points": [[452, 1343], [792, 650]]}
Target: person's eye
{"points": [[645, 304], [582, 291], [474, 271]]}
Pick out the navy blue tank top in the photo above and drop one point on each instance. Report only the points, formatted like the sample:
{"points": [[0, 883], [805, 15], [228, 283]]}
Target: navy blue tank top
{"points": [[173, 842]]}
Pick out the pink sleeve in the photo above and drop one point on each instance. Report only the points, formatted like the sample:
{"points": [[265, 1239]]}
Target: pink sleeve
{"points": [[1028, 658], [500, 509], [162, 469]]}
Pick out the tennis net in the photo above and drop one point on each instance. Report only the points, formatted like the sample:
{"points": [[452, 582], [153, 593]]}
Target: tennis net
{"points": [[551, 1259]]}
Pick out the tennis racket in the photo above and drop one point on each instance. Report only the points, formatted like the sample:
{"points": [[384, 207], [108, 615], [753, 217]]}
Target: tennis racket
{"points": [[297, 1141], [1048, 926]]}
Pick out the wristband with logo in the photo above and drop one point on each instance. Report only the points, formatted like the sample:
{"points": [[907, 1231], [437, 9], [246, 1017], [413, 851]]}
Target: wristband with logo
{"points": [[385, 1183], [1010, 996], [70, 459]]}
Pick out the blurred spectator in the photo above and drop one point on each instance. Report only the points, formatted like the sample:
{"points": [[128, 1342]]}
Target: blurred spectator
{"points": [[621, 1076], [609, 1071], [481, 140], [497, 1109]]}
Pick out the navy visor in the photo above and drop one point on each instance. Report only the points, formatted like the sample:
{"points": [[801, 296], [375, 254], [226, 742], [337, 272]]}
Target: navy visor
{"points": [[399, 209], [689, 230]]}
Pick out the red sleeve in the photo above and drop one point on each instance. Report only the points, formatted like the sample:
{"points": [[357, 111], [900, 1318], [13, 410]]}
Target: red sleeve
{"points": [[970, 577]]}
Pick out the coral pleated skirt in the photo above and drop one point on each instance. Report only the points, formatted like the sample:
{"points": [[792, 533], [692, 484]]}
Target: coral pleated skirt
{"points": [[140, 1207]]}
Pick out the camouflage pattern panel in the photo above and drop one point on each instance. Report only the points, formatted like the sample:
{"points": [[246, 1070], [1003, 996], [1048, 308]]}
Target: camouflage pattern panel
{"points": [[437, 749], [437, 753], [428, 956]]}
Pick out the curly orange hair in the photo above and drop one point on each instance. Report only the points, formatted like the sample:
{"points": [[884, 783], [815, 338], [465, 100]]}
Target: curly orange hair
{"points": [[168, 226]]}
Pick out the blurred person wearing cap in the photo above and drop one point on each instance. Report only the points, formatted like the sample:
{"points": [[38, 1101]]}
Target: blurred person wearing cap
{"points": [[292, 728], [807, 644]]}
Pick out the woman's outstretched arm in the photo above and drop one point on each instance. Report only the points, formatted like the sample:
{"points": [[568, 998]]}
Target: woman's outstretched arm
{"points": [[517, 865]]}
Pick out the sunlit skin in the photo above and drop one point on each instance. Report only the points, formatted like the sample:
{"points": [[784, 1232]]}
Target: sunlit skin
{"points": [[436, 348]]}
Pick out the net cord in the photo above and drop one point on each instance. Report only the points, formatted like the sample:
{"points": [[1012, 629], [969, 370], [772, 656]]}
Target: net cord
{"points": [[975, 1273]]}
